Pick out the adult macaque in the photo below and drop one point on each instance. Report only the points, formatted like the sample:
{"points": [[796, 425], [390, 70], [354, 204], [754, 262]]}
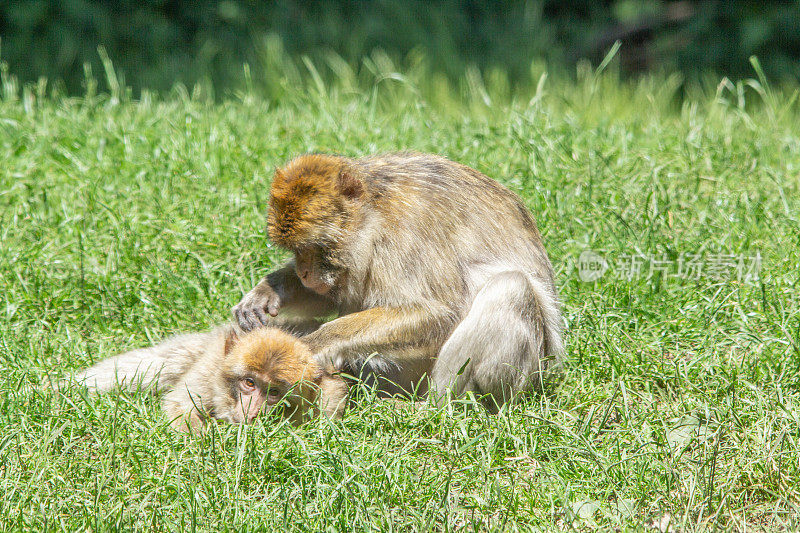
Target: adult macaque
{"points": [[222, 375], [433, 268]]}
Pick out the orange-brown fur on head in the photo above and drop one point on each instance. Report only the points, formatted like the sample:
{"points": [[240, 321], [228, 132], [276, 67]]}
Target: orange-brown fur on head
{"points": [[275, 355], [309, 201]]}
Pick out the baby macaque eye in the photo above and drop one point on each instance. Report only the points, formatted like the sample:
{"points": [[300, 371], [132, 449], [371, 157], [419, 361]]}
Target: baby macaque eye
{"points": [[247, 384]]}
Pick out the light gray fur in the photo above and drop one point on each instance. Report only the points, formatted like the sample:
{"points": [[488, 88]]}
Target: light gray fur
{"points": [[160, 366], [497, 348], [508, 317], [185, 367]]}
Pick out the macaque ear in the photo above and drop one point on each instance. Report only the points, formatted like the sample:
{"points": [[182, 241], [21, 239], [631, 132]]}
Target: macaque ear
{"points": [[349, 185], [231, 337]]}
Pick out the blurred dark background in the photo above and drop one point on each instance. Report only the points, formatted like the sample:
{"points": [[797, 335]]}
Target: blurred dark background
{"points": [[155, 43]]}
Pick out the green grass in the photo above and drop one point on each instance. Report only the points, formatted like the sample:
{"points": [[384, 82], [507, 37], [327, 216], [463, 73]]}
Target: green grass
{"points": [[124, 221]]}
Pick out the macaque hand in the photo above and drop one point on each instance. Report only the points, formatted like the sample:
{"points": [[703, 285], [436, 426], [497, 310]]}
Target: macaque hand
{"points": [[252, 311]]}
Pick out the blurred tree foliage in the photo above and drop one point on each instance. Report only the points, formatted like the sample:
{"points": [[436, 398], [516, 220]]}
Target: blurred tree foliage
{"points": [[155, 43]]}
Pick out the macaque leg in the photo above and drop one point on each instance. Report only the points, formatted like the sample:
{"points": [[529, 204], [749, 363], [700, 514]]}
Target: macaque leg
{"points": [[333, 396], [498, 348], [181, 411]]}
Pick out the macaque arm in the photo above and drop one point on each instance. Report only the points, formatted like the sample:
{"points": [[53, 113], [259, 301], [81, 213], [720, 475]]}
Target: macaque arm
{"points": [[398, 333], [280, 291]]}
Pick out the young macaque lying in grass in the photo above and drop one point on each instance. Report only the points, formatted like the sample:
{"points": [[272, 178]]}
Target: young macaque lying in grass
{"points": [[225, 376]]}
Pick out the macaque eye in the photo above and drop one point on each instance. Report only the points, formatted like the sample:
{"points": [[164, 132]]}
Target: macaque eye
{"points": [[247, 384]]}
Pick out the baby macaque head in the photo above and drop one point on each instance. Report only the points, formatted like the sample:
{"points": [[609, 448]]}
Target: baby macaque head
{"points": [[266, 368]]}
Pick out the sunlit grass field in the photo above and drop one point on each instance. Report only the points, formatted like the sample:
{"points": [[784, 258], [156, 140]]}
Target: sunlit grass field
{"points": [[123, 221]]}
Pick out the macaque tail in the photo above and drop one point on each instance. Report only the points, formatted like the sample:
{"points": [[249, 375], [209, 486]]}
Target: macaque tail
{"points": [[159, 366]]}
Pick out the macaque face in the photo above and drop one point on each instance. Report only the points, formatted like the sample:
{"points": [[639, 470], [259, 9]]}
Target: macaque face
{"points": [[252, 394], [315, 270], [258, 393]]}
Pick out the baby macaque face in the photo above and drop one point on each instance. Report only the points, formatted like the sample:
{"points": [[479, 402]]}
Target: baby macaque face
{"points": [[266, 368]]}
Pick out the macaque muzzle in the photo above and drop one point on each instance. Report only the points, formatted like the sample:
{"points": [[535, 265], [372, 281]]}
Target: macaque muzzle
{"points": [[312, 272]]}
